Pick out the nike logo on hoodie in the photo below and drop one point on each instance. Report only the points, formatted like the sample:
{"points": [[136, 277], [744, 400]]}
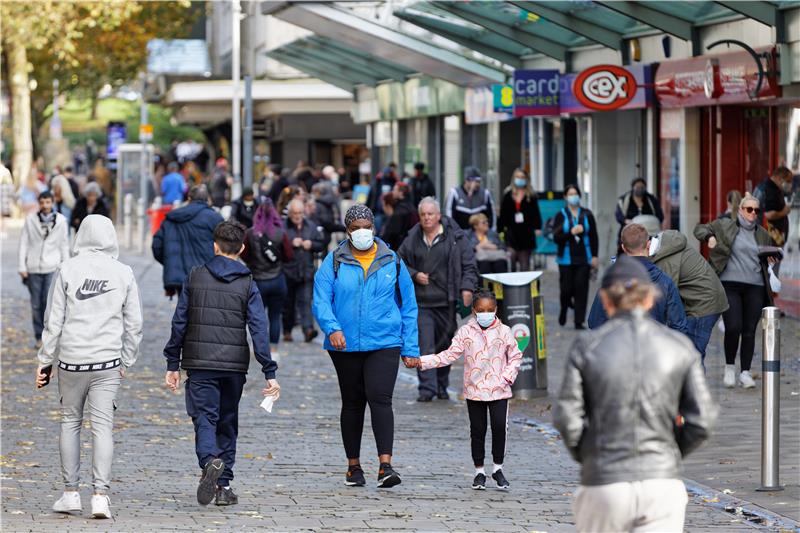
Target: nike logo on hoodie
{"points": [[92, 288]]}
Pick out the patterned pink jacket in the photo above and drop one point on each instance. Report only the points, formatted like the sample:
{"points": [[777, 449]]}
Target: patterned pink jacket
{"points": [[491, 362]]}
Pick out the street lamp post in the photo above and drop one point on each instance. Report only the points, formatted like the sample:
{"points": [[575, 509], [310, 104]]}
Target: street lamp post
{"points": [[236, 117]]}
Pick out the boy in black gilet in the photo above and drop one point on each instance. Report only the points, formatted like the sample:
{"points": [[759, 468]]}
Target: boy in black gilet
{"points": [[209, 341]]}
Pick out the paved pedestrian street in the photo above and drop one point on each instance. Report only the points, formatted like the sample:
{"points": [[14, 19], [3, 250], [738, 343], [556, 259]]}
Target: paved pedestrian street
{"points": [[290, 465]]}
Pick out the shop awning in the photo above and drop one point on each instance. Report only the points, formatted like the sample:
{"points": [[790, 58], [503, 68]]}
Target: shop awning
{"points": [[375, 40], [338, 64], [553, 28]]}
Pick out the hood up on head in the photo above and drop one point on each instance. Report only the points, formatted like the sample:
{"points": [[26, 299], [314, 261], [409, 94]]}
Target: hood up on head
{"points": [[96, 234]]}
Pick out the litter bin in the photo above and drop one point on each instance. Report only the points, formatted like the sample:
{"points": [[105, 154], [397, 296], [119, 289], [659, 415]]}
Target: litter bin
{"points": [[157, 216], [521, 308]]}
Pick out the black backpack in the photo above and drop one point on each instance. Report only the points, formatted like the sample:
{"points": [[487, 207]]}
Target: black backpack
{"points": [[270, 250], [399, 297]]}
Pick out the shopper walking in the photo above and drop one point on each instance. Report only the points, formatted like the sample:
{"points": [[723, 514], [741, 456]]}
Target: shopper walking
{"points": [[520, 220], [776, 209], [490, 252], [699, 287], [218, 304], [470, 199], [442, 264], [92, 333], [306, 241], [92, 203], [637, 202], [63, 199], [421, 184], [173, 185], [491, 363], [185, 239], [364, 303], [621, 425], [576, 238], [43, 246], [244, 209], [267, 249], [734, 254]]}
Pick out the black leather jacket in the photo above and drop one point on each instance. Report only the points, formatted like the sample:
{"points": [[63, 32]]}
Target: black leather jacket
{"points": [[624, 386]]}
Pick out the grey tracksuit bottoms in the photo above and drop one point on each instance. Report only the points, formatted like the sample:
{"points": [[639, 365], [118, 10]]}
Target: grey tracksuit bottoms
{"points": [[100, 389]]}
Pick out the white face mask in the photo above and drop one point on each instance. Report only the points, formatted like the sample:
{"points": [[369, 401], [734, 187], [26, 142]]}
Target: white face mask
{"points": [[485, 319], [362, 239]]}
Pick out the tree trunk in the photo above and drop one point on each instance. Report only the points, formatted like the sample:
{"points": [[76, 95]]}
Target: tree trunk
{"points": [[20, 111], [95, 102]]}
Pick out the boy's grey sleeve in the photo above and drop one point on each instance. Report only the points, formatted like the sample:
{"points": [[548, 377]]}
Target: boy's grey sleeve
{"points": [[54, 317], [132, 324]]}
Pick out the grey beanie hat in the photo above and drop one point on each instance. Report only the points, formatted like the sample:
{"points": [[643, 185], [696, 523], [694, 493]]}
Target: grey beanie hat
{"points": [[358, 212]]}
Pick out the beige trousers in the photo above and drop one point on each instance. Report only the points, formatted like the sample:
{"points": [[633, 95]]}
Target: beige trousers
{"points": [[637, 506]]}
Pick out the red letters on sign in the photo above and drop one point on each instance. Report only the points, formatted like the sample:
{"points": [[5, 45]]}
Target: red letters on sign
{"points": [[604, 87]]}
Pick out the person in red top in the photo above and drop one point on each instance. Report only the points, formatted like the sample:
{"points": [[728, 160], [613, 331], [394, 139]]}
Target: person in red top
{"points": [[520, 220]]}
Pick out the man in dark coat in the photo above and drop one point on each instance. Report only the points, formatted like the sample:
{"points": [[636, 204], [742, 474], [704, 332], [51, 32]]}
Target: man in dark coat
{"points": [[441, 262], [244, 209], [186, 239], [421, 185]]}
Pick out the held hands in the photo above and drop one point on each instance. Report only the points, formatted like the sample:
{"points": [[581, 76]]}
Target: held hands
{"points": [[467, 297], [577, 229], [172, 380], [41, 378], [272, 389], [422, 278], [712, 242], [595, 262], [306, 245], [337, 341], [297, 242], [23, 275], [411, 362]]}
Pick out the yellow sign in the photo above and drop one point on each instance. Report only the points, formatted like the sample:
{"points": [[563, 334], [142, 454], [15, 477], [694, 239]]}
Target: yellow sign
{"points": [[145, 132]]}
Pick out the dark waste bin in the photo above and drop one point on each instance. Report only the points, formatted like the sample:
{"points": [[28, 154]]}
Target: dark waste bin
{"points": [[520, 307]]}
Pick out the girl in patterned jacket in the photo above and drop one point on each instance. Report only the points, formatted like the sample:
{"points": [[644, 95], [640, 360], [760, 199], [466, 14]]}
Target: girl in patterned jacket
{"points": [[491, 364]]}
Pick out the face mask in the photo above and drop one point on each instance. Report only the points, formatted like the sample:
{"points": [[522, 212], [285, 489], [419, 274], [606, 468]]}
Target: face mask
{"points": [[484, 319], [573, 199], [638, 192], [362, 239], [520, 182], [249, 203]]}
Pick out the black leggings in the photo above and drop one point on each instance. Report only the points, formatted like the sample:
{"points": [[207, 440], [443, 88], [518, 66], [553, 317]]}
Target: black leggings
{"points": [[498, 412], [741, 320], [367, 378], [573, 281]]}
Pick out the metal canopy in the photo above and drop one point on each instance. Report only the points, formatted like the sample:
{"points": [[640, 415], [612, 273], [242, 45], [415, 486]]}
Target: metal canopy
{"points": [[337, 64], [377, 41], [555, 27]]}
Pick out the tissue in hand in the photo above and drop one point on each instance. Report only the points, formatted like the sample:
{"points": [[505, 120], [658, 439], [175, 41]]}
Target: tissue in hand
{"points": [[267, 403]]}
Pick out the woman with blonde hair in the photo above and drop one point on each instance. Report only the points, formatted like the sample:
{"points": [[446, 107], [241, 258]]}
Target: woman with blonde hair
{"points": [[734, 253], [520, 219], [63, 199]]}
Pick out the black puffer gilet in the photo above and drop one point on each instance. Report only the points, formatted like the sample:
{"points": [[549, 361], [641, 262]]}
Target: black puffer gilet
{"points": [[216, 335]]}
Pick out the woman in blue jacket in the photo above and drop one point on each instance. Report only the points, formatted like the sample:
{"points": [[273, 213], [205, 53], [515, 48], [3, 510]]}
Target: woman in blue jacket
{"points": [[364, 303]]}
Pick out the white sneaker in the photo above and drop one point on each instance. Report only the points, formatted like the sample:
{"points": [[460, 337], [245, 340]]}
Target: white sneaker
{"points": [[101, 506], [746, 379], [730, 376], [69, 502]]}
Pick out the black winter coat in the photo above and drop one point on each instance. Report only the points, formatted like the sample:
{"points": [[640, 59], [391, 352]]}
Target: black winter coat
{"points": [[301, 266], [519, 235], [81, 211]]}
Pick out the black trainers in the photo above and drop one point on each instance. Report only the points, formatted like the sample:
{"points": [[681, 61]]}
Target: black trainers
{"points": [[479, 483], [424, 398], [502, 482], [355, 477], [207, 488], [226, 496], [442, 395], [387, 477], [562, 316]]}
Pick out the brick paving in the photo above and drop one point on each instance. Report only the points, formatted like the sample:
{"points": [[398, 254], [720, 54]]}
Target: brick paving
{"points": [[290, 463]]}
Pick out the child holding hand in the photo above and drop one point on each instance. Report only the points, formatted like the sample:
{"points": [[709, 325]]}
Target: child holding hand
{"points": [[491, 364]]}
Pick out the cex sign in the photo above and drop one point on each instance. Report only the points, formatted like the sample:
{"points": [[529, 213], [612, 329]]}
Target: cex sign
{"points": [[604, 87]]}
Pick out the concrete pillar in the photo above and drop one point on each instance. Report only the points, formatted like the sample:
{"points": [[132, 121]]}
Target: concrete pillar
{"points": [[690, 173]]}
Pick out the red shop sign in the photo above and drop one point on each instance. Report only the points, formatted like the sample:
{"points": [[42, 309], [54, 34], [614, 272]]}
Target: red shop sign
{"points": [[710, 80], [604, 87]]}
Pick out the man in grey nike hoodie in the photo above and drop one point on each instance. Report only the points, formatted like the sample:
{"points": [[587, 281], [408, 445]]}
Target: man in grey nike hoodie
{"points": [[93, 328]]}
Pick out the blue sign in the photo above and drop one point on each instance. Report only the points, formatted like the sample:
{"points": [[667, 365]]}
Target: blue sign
{"points": [[502, 98], [536, 92], [116, 134]]}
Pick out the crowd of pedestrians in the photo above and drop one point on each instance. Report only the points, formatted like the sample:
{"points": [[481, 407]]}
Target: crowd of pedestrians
{"points": [[384, 283]]}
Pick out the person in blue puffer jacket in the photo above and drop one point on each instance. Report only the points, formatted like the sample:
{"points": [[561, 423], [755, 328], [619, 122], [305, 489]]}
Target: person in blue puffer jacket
{"points": [[668, 308], [365, 305]]}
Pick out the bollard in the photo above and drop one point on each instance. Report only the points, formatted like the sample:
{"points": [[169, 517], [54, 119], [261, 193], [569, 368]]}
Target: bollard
{"points": [[771, 398], [142, 216], [127, 223]]}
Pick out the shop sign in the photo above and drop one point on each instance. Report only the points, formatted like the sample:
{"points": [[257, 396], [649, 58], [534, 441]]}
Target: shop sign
{"points": [[604, 87], [724, 79], [502, 98], [536, 92], [607, 87], [479, 108]]}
